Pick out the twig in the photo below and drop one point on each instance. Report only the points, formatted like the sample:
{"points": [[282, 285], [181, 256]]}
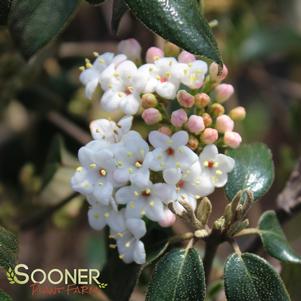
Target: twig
{"points": [[69, 127], [40, 217]]}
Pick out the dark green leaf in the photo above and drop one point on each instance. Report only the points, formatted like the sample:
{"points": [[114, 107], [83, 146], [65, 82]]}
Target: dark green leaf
{"points": [[8, 248], [4, 296], [156, 251], [250, 277], [254, 170], [291, 275], [180, 22], [34, 23], [274, 240], [96, 2], [4, 10], [119, 9], [178, 276]]}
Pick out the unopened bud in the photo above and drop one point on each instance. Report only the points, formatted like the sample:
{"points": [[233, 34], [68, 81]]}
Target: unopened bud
{"points": [[207, 119], [131, 48], [238, 113], [216, 74], [232, 139], [151, 116], [228, 214], [224, 123], [223, 92], [185, 99], [204, 210], [202, 100], [193, 143], [209, 136], [168, 220], [165, 130], [219, 224], [149, 100], [195, 124], [153, 54], [171, 49], [201, 233], [217, 109], [178, 118], [186, 57]]}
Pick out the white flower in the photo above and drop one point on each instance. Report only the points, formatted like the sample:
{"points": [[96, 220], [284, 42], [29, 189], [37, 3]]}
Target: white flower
{"points": [[100, 216], [145, 200], [90, 77], [170, 152], [129, 245], [162, 77], [123, 85], [189, 184], [95, 176], [216, 166], [193, 74], [109, 131], [130, 160]]}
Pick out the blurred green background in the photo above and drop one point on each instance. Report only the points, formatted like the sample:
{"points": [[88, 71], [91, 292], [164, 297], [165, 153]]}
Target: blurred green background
{"points": [[44, 119]]}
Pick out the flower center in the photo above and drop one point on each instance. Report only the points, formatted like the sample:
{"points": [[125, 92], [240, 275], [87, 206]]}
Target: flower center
{"points": [[102, 172], [170, 151], [180, 184], [146, 192], [129, 90], [138, 163]]}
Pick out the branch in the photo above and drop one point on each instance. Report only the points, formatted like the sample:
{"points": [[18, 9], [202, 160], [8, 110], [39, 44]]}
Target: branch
{"points": [[40, 217]]}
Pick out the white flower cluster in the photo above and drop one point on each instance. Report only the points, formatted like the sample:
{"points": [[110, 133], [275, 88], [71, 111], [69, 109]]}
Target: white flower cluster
{"points": [[118, 172], [123, 82]]}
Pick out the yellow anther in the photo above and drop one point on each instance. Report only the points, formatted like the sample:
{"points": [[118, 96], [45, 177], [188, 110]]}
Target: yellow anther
{"points": [[96, 215], [138, 164], [101, 60], [96, 54], [219, 172], [121, 256], [106, 215], [128, 244], [79, 169], [152, 203], [132, 204], [136, 193], [119, 234], [82, 68], [92, 165]]}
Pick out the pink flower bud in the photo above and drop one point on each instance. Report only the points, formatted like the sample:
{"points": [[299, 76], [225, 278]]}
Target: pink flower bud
{"points": [[202, 100], [238, 113], [215, 74], [223, 92], [186, 57], [195, 124], [149, 100], [168, 220], [224, 123], [207, 119], [153, 54], [209, 136], [185, 99], [151, 116], [232, 139], [165, 130], [131, 48], [178, 118]]}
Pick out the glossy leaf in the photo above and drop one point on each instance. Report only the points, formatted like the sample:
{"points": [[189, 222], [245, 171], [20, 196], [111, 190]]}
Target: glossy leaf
{"points": [[34, 23], [291, 275], [119, 9], [250, 277], [254, 170], [274, 240], [178, 276], [8, 248], [180, 22], [4, 296]]}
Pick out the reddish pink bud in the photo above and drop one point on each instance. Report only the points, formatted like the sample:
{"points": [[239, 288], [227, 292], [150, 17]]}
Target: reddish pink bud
{"points": [[151, 116], [153, 54], [178, 118], [209, 136], [185, 99], [131, 48], [238, 113], [168, 220], [202, 100], [232, 139], [224, 123], [165, 130], [195, 124], [186, 57], [223, 92]]}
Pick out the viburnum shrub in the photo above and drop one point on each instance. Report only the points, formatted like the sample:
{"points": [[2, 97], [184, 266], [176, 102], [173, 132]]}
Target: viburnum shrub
{"points": [[187, 149]]}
